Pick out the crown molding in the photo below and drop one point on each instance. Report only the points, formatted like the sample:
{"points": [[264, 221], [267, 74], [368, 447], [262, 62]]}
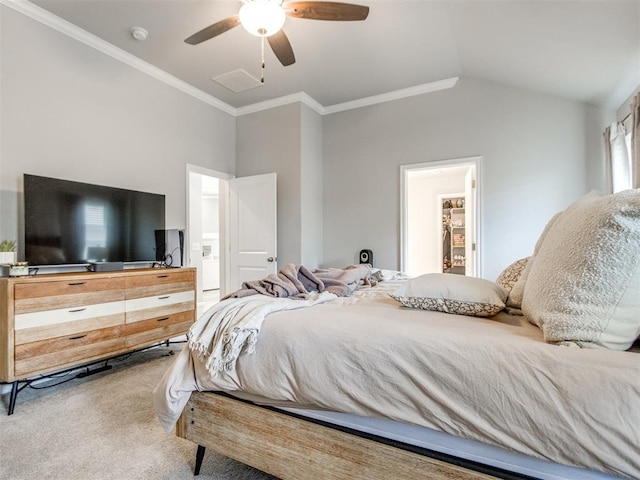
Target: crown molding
{"points": [[301, 97], [306, 99], [395, 95], [45, 17]]}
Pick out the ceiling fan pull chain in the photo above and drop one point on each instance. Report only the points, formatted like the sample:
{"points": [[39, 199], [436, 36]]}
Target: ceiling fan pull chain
{"points": [[262, 74]]}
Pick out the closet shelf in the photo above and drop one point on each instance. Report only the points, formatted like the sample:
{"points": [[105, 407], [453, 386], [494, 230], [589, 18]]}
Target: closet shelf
{"points": [[453, 235]]}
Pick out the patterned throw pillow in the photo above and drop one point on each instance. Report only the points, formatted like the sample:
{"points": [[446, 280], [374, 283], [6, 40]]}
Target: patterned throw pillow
{"points": [[510, 275], [449, 293]]}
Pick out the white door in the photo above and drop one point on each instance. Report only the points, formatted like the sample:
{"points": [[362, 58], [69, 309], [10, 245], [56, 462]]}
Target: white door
{"points": [[252, 229]]}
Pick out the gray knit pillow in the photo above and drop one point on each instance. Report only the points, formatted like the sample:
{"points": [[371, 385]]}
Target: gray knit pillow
{"points": [[583, 286]]}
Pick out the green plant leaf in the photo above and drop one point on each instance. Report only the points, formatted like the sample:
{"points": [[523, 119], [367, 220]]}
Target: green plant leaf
{"points": [[7, 246]]}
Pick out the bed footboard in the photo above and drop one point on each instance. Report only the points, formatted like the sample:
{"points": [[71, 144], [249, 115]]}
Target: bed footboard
{"points": [[293, 448]]}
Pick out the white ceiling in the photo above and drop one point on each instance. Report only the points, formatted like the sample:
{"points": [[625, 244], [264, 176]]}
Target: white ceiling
{"points": [[581, 49]]}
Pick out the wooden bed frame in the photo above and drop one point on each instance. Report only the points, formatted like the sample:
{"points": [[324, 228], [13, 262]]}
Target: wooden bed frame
{"points": [[295, 448]]}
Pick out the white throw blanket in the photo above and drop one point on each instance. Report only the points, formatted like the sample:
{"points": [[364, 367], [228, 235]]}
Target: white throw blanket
{"points": [[232, 326]]}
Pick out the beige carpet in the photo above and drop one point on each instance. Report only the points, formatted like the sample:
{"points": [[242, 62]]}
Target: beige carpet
{"points": [[103, 427]]}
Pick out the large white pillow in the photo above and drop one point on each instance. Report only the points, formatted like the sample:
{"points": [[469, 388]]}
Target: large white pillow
{"points": [[583, 286], [517, 291], [449, 293]]}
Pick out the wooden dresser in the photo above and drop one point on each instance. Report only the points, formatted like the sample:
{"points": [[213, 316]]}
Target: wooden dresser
{"points": [[53, 322]]}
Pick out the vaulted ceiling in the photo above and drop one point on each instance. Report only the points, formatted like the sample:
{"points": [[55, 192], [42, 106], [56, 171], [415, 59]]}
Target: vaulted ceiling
{"points": [[585, 50]]}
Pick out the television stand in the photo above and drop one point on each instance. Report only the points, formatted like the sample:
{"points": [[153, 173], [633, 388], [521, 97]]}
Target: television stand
{"points": [[50, 323]]}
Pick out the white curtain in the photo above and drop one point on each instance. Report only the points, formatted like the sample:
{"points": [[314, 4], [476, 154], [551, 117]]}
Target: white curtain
{"points": [[617, 144], [622, 146], [635, 141]]}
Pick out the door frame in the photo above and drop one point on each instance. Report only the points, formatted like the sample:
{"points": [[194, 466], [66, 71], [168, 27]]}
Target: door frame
{"points": [[475, 161], [223, 220]]}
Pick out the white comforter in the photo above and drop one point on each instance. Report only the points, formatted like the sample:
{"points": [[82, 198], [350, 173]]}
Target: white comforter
{"points": [[492, 380]]}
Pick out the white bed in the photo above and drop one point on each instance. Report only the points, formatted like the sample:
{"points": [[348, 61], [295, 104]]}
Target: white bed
{"points": [[493, 381], [516, 398]]}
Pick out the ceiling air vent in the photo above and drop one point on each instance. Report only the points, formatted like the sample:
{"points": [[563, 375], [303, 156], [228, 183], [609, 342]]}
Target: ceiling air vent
{"points": [[237, 81]]}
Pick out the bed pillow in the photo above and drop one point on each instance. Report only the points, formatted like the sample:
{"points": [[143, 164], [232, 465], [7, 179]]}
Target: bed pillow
{"points": [[510, 275], [449, 293], [517, 291], [583, 287]]}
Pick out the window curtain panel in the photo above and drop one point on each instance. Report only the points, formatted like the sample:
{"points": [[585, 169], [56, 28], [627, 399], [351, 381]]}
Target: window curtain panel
{"points": [[618, 158], [635, 141]]}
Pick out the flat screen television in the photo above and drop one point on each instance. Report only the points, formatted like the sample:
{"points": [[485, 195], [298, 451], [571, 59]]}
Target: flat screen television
{"points": [[71, 223]]}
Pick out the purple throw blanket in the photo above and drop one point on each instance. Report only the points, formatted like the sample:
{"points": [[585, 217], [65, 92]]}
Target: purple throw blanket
{"points": [[297, 281]]}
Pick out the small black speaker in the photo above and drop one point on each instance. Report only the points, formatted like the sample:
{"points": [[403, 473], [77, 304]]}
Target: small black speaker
{"points": [[170, 247], [366, 256]]}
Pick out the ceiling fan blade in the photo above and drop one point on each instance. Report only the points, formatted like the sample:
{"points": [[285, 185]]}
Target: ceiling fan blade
{"points": [[213, 30], [326, 11], [282, 48]]}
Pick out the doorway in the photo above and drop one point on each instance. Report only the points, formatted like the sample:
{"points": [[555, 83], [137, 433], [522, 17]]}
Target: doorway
{"points": [[210, 238], [431, 240], [205, 236], [241, 234]]}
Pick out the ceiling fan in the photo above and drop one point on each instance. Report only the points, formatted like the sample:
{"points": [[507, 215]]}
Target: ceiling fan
{"points": [[265, 18]]}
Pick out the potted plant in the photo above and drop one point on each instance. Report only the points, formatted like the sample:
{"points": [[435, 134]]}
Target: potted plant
{"points": [[7, 252]]}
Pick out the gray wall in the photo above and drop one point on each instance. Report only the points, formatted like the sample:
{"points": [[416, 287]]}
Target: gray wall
{"points": [[311, 188], [269, 141], [539, 154], [287, 140], [71, 112]]}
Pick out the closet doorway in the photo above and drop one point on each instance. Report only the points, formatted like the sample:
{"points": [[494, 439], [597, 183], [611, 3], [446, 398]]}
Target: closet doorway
{"points": [[440, 217]]}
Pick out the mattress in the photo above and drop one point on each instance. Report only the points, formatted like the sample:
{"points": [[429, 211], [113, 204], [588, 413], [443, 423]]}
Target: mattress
{"points": [[493, 381], [452, 446]]}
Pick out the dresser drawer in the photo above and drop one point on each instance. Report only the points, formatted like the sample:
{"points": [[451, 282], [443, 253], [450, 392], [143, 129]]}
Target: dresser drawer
{"points": [[41, 325], [163, 282], [140, 309], [36, 297], [59, 352], [158, 329]]}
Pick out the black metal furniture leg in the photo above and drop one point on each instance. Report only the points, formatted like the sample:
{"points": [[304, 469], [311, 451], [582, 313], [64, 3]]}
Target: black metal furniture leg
{"points": [[13, 397], [199, 457]]}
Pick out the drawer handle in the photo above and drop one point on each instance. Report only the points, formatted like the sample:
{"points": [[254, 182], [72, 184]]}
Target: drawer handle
{"points": [[77, 283], [163, 276], [77, 338], [164, 298], [77, 310], [163, 319]]}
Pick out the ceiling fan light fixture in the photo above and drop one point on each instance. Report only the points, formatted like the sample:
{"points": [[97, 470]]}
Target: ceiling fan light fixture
{"points": [[262, 18]]}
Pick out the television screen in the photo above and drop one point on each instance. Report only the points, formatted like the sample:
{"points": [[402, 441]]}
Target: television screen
{"points": [[78, 223]]}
